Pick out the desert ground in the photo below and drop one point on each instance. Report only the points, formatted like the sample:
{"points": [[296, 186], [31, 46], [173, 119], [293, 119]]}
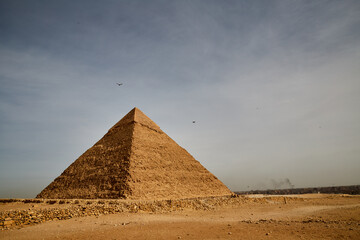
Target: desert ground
{"points": [[309, 216]]}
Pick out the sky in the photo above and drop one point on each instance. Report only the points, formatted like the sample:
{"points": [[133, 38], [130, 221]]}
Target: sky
{"points": [[273, 86]]}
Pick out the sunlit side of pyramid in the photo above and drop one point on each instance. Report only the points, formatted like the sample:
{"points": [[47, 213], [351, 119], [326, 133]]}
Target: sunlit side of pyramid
{"points": [[135, 160]]}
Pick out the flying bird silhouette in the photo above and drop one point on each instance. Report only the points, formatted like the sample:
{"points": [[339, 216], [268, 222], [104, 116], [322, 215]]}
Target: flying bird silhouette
{"points": [[119, 84], [193, 121]]}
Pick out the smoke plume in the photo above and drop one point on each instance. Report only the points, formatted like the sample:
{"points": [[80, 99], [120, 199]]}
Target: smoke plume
{"points": [[282, 183]]}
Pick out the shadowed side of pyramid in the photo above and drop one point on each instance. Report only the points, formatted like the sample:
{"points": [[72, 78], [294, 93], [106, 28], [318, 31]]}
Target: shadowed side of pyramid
{"points": [[135, 160], [102, 171]]}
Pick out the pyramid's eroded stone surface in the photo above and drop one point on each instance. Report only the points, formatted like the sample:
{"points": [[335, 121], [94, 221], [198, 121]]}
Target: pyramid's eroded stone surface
{"points": [[135, 160]]}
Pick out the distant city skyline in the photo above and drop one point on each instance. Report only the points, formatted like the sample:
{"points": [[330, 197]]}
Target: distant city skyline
{"points": [[259, 92]]}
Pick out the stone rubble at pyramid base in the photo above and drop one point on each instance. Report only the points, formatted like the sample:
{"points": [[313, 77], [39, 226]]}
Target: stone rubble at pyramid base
{"points": [[62, 209]]}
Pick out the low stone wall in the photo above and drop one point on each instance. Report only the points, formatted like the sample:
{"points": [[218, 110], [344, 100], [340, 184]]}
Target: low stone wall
{"points": [[42, 210]]}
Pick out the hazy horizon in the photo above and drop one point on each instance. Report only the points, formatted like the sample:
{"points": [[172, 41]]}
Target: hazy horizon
{"points": [[273, 86]]}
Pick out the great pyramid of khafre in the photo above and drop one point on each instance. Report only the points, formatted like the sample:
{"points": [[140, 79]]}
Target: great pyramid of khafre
{"points": [[135, 160]]}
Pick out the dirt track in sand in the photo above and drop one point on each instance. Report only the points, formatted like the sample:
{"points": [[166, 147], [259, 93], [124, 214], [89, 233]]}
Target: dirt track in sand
{"points": [[310, 217]]}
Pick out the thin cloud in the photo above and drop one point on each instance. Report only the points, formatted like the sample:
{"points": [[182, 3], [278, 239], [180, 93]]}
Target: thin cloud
{"points": [[273, 85]]}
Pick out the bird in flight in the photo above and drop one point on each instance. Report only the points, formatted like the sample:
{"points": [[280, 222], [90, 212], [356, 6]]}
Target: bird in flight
{"points": [[193, 121], [119, 84]]}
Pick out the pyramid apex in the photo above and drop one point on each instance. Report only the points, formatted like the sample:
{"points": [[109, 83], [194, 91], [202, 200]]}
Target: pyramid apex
{"points": [[141, 118], [135, 110], [136, 116]]}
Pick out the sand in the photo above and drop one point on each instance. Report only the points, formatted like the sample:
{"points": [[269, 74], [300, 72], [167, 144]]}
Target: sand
{"points": [[312, 216]]}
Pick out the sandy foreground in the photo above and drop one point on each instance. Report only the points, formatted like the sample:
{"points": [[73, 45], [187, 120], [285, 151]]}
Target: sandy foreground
{"points": [[311, 216]]}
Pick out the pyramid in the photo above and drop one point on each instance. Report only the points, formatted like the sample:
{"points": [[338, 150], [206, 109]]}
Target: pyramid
{"points": [[135, 160]]}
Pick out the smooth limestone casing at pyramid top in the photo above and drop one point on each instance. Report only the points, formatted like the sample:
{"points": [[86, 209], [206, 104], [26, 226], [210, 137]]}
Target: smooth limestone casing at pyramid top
{"points": [[135, 160]]}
